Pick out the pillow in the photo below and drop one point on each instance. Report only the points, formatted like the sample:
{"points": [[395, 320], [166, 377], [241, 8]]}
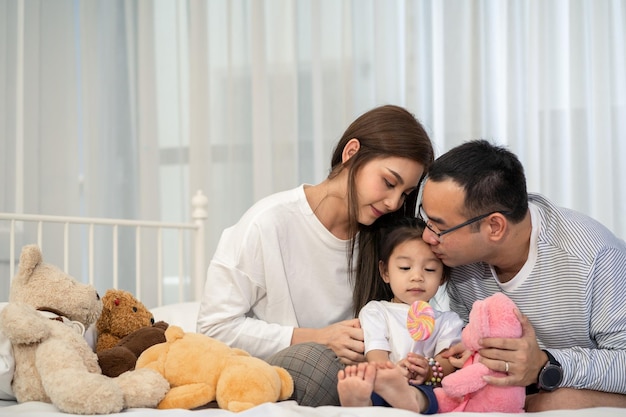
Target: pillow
{"points": [[7, 366], [184, 315]]}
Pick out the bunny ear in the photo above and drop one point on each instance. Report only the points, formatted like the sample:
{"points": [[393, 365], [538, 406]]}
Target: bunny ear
{"points": [[505, 322], [478, 326], [481, 319]]}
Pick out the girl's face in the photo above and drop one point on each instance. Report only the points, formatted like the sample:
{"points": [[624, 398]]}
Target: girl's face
{"points": [[382, 185], [413, 272]]}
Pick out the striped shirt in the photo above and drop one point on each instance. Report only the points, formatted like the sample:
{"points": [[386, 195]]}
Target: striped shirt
{"points": [[572, 289]]}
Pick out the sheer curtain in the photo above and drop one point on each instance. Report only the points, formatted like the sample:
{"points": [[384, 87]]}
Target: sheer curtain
{"points": [[126, 108]]}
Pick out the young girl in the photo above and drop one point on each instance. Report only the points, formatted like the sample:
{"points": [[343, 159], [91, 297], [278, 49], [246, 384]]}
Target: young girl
{"points": [[282, 278], [396, 364]]}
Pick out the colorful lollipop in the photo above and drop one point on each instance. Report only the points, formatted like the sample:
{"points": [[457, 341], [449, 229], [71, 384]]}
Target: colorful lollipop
{"points": [[421, 320]]}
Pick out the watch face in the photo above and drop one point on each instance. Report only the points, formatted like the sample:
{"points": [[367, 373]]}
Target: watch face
{"points": [[551, 377]]}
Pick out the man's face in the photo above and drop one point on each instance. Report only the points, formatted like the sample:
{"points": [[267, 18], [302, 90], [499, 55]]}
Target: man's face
{"points": [[442, 204]]}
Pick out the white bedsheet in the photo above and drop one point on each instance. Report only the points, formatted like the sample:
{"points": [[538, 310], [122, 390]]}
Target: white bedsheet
{"points": [[287, 409]]}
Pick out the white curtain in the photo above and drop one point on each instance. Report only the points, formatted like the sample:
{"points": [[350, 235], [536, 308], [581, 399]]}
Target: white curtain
{"points": [[124, 108]]}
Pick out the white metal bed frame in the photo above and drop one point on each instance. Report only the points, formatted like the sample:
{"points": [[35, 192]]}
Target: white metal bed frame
{"points": [[196, 226]]}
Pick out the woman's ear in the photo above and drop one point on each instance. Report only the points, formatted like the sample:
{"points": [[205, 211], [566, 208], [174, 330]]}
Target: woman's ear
{"points": [[382, 270], [350, 149]]}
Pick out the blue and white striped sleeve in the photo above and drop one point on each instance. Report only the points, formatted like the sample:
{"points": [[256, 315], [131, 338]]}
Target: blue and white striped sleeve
{"points": [[602, 368]]}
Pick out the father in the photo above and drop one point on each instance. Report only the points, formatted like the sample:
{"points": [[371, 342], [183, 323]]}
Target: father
{"points": [[565, 271]]}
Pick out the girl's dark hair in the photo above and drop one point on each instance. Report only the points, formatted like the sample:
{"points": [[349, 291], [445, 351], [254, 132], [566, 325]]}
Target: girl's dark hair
{"points": [[390, 235], [383, 132]]}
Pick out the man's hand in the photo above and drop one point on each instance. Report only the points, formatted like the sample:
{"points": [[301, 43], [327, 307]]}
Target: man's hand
{"points": [[520, 358]]}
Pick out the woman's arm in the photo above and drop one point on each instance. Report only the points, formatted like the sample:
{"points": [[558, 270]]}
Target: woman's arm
{"points": [[225, 314], [236, 285], [344, 338]]}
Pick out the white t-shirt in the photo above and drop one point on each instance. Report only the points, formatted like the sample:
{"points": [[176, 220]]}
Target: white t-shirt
{"points": [[384, 328], [276, 269]]}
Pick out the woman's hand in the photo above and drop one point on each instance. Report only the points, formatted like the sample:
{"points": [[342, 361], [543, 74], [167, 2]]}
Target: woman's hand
{"points": [[345, 338]]}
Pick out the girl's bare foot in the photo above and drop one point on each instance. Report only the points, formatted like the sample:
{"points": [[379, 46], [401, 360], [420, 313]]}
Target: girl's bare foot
{"points": [[395, 389], [356, 383]]}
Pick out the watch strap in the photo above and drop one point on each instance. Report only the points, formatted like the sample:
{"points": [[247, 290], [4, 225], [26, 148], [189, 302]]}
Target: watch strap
{"points": [[551, 358]]}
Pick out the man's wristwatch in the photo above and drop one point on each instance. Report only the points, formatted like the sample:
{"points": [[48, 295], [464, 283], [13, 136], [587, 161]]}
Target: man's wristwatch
{"points": [[551, 374]]}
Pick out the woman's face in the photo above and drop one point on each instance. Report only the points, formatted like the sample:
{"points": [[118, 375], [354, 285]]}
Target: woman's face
{"points": [[382, 184]]}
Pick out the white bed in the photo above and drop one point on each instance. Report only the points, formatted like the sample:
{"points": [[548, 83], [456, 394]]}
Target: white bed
{"points": [[291, 409], [171, 297]]}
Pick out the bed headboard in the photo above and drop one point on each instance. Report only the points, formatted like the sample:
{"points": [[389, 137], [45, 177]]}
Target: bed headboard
{"points": [[159, 262]]}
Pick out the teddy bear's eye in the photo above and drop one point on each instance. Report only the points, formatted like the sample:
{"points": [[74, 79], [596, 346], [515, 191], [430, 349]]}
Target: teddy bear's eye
{"points": [[134, 309]]}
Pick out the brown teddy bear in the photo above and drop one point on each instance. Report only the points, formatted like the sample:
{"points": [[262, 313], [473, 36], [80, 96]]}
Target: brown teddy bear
{"points": [[45, 319], [125, 329], [201, 369]]}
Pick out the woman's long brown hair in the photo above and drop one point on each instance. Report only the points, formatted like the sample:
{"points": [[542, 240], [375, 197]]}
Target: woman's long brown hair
{"points": [[383, 132]]}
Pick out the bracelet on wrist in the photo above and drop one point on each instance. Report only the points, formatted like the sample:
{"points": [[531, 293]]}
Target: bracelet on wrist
{"points": [[435, 373]]}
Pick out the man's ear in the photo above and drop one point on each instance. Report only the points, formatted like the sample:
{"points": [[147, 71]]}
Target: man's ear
{"points": [[382, 269], [498, 225], [350, 149]]}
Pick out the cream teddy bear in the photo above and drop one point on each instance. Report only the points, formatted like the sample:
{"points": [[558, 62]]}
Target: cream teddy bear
{"points": [[45, 319]]}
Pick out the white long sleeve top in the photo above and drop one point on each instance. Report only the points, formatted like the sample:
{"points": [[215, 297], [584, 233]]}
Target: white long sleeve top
{"points": [[276, 269]]}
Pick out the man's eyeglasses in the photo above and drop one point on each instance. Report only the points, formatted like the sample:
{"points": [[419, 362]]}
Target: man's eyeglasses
{"points": [[422, 215]]}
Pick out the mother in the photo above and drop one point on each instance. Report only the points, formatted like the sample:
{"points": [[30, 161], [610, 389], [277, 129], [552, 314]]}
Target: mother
{"points": [[281, 282]]}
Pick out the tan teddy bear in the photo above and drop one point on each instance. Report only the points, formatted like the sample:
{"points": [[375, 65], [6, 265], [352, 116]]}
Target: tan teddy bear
{"points": [[45, 319], [125, 329], [201, 369]]}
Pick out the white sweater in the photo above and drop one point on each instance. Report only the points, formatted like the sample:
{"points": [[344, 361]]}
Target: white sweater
{"points": [[276, 269]]}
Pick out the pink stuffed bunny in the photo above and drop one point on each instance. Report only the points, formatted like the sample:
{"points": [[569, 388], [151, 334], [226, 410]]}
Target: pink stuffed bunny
{"points": [[465, 389]]}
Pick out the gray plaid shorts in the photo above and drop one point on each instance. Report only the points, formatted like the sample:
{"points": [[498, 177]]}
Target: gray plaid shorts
{"points": [[314, 369]]}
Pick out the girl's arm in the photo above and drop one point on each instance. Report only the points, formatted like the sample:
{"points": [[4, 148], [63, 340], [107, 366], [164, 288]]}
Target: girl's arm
{"points": [[378, 356]]}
